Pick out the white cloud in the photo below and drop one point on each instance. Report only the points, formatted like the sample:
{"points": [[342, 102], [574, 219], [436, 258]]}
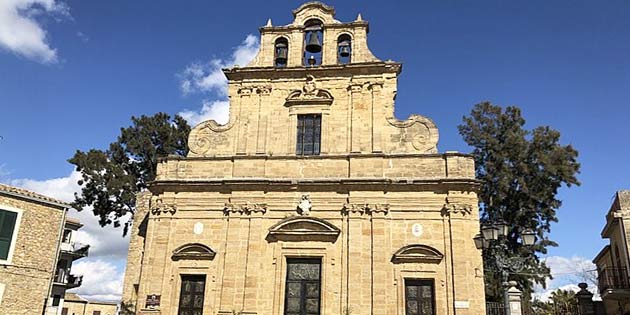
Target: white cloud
{"points": [[102, 281], [62, 188], [107, 246], [207, 78], [567, 272], [217, 110], [21, 33]]}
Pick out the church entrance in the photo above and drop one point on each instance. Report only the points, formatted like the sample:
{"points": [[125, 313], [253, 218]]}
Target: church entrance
{"points": [[419, 297], [191, 297]]}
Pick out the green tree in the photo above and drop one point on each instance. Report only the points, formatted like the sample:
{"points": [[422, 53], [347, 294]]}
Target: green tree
{"points": [[111, 178], [520, 171], [561, 302]]}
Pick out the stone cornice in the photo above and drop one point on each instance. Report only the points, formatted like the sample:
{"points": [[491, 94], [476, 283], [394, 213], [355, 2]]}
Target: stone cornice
{"points": [[237, 73], [322, 183], [311, 157]]}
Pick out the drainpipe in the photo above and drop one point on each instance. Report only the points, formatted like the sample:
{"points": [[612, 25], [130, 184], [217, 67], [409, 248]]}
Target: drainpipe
{"points": [[52, 275]]}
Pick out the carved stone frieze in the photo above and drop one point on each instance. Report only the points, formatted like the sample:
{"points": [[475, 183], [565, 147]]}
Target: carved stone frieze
{"points": [[456, 208], [365, 208], [158, 207], [245, 208], [263, 89]]}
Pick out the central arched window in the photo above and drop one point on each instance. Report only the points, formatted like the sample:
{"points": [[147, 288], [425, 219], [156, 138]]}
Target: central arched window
{"points": [[313, 39]]}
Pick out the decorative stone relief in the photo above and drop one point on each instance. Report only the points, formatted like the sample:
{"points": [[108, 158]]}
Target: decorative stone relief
{"points": [[309, 94], [365, 208], [263, 89], [158, 206], [417, 130], [456, 207], [207, 135], [305, 205], [245, 208]]}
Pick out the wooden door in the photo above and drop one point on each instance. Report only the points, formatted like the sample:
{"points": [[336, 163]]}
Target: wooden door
{"points": [[419, 297], [191, 296]]}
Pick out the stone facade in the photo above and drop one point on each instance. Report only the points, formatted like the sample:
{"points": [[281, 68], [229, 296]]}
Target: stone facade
{"points": [[613, 261], [26, 277], [377, 206]]}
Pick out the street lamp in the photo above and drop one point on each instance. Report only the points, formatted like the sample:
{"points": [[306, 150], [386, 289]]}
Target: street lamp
{"points": [[493, 234]]}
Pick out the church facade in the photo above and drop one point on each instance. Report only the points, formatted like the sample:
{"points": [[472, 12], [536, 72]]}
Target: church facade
{"points": [[313, 198]]}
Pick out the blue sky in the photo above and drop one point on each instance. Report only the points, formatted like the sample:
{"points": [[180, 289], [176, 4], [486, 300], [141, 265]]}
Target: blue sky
{"points": [[565, 63]]}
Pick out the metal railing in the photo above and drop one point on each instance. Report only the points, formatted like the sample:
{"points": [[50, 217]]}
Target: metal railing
{"points": [[495, 308], [613, 278], [71, 281]]}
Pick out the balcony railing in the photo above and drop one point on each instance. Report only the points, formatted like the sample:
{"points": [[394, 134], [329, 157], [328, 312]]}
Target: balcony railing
{"points": [[69, 280], [613, 278], [76, 249]]}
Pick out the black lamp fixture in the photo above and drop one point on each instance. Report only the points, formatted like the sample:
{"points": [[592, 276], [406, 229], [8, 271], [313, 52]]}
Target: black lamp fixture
{"points": [[499, 229]]}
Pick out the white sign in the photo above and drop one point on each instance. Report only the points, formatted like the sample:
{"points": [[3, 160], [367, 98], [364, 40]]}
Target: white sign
{"points": [[198, 228], [462, 304], [417, 230]]}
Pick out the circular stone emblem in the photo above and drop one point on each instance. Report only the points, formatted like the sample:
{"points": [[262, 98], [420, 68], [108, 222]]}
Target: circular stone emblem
{"points": [[416, 229], [198, 228]]}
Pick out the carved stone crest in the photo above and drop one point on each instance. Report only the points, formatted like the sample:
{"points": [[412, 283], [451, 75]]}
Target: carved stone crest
{"points": [[158, 206], [305, 205], [309, 94]]}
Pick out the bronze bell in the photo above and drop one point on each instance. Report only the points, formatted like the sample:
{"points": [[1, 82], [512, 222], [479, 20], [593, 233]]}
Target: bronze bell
{"points": [[344, 49], [281, 53], [313, 45]]}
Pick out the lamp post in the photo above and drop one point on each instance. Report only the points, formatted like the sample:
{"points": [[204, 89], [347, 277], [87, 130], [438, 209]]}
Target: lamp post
{"points": [[493, 235]]}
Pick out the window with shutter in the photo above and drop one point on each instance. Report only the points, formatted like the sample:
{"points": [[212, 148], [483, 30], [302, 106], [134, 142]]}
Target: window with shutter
{"points": [[7, 226]]}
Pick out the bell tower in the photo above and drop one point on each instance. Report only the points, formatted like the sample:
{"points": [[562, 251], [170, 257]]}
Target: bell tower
{"points": [[321, 67]]}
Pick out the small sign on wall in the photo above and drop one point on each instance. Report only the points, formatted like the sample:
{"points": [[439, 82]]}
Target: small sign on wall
{"points": [[462, 304], [153, 301]]}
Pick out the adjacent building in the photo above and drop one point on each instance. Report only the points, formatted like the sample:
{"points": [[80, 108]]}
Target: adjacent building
{"points": [[76, 305], [613, 260], [35, 258], [314, 198]]}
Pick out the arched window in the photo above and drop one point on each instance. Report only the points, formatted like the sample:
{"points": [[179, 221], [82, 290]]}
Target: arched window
{"points": [[313, 39], [281, 52], [344, 49]]}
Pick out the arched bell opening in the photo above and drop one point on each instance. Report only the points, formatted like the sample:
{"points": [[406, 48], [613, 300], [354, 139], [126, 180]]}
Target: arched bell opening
{"points": [[281, 52], [313, 39], [344, 49]]}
